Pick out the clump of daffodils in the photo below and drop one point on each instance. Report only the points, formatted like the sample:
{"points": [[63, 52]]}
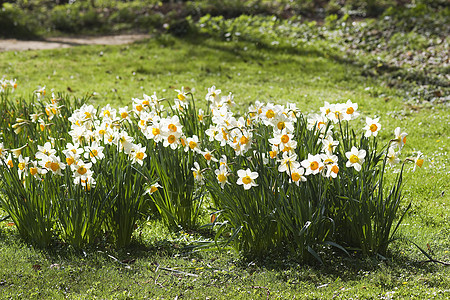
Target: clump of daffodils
{"points": [[7, 85]]}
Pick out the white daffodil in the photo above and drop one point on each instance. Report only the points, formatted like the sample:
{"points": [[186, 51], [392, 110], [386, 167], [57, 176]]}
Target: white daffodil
{"points": [[247, 178], [153, 188], [399, 138], [124, 113], [328, 144], [222, 175], [208, 156], [213, 94], [288, 163], [313, 164], [350, 111], [297, 175], [372, 127], [137, 154], [418, 162], [355, 158], [197, 172], [332, 170], [192, 143], [281, 138], [94, 152], [392, 157], [9, 161], [55, 165], [46, 150], [82, 170], [108, 113], [35, 171], [23, 166]]}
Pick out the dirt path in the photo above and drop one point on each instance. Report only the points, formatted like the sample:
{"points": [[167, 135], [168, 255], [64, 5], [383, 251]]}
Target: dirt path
{"points": [[66, 42]]}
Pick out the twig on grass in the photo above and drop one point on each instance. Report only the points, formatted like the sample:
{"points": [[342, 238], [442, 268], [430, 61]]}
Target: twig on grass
{"points": [[178, 272], [432, 260]]}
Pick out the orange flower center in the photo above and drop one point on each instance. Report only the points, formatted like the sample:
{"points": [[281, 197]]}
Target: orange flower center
{"points": [[54, 166], [171, 139], [172, 127], [70, 160], [419, 162], [192, 144], [350, 110], [82, 170], [295, 177], [285, 139], [33, 171], [222, 178], [155, 131], [354, 159], [243, 140], [93, 153], [314, 165], [246, 180], [270, 114], [281, 125], [373, 127], [335, 169]]}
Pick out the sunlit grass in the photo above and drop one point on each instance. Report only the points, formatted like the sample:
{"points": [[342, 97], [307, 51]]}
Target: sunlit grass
{"points": [[166, 63]]}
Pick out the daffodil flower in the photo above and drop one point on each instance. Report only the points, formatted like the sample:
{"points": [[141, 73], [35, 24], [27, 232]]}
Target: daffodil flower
{"points": [[247, 178], [392, 157], [418, 162], [197, 172], [313, 164], [399, 138], [288, 163], [297, 175], [372, 127], [153, 188], [222, 175], [355, 158]]}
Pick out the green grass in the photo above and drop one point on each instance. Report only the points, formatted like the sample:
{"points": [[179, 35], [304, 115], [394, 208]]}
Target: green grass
{"points": [[117, 73]]}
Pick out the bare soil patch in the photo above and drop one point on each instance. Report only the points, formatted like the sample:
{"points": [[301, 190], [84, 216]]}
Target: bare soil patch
{"points": [[66, 42]]}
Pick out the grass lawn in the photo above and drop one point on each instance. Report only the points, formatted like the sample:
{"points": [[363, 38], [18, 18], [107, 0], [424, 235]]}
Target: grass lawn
{"points": [[156, 266]]}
